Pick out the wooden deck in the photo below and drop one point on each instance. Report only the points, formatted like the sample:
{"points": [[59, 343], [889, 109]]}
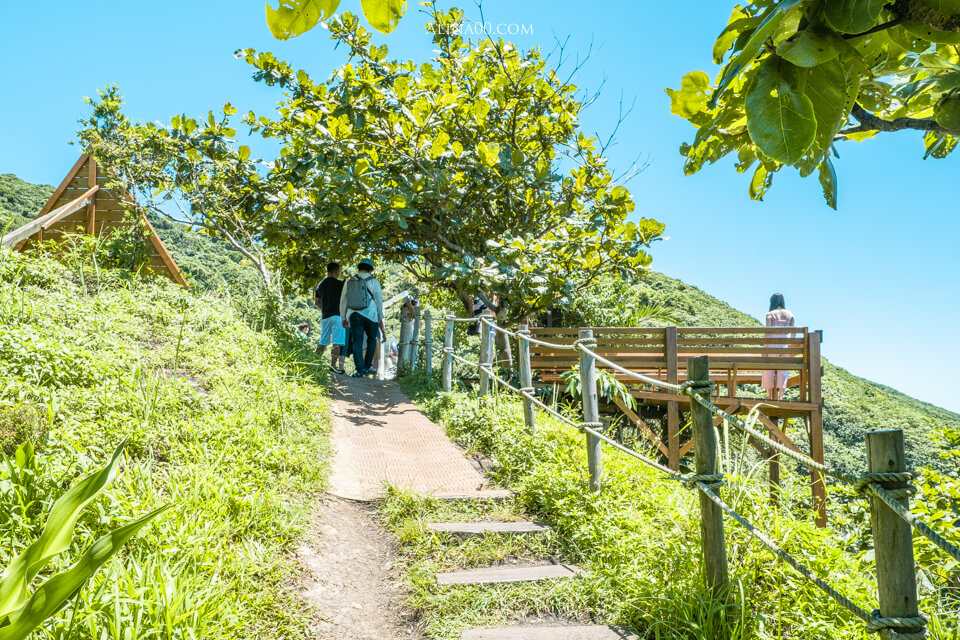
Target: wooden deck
{"points": [[738, 358]]}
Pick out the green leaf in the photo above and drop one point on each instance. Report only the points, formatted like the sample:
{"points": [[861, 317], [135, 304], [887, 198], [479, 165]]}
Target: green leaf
{"points": [[384, 15], [50, 596], [828, 180], [764, 30], [295, 17], [780, 118], [923, 31], [762, 180], [692, 95], [397, 201], [825, 87], [852, 16], [811, 47], [488, 152], [947, 113], [56, 537], [243, 152]]}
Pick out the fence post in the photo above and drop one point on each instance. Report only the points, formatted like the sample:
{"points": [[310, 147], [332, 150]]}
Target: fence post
{"points": [[892, 536], [403, 350], [486, 359], [705, 448], [428, 342], [526, 379], [591, 411], [415, 342], [448, 354]]}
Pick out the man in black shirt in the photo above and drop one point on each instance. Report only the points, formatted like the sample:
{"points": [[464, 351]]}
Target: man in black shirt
{"points": [[327, 297]]}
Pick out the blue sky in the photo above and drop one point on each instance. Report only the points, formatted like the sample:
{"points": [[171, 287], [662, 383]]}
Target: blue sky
{"points": [[879, 276]]}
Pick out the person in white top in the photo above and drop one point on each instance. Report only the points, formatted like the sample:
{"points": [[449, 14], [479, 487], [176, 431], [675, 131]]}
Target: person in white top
{"points": [[361, 307], [774, 382]]}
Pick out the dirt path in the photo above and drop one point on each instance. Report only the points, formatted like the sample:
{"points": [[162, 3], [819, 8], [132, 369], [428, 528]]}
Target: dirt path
{"points": [[353, 583], [378, 436]]}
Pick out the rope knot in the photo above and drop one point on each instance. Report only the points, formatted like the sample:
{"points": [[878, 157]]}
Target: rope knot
{"points": [[528, 389], [710, 480], [692, 386], [583, 426], [887, 477], [589, 343], [903, 628], [448, 349]]}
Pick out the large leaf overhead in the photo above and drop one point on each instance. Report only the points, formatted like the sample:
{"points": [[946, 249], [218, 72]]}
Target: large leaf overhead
{"points": [[384, 14], [295, 17], [780, 118]]}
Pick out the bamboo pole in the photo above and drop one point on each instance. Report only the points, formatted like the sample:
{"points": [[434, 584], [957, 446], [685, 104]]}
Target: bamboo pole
{"points": [[415, 342], [526, 380], [892, 536], [705, 446], [403, 357], [486, 352], [591, 411], [428, 342], [448, 354]]}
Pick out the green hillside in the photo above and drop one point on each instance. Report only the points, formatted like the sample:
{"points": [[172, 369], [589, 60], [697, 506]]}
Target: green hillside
{"points": [[20, 201], [853, 405]]}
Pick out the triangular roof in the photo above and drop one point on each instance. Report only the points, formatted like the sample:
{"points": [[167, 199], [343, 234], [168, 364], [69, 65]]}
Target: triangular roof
{"points": [[82, 202]]}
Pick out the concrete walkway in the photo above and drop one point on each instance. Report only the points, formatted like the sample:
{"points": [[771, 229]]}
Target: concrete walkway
{"points": [[380, 437]]}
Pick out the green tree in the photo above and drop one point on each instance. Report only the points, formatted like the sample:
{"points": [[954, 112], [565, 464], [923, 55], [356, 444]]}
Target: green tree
{"points": [[471, 171], [798, 76], [191, 172]]}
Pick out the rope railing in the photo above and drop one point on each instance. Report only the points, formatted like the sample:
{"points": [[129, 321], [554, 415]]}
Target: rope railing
{"points": [[894, 628], [869, 483]]}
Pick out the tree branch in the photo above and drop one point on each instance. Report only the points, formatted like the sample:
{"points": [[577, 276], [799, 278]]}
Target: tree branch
{"points": [[870, 122]]}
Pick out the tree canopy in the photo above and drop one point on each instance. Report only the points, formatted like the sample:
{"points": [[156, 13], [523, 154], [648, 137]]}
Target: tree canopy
{"points": [[799, 76], [469, 170]]}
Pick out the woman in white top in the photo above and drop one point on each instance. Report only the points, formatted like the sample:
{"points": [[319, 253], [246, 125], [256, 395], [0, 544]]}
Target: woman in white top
{"points": [[776, 381]]}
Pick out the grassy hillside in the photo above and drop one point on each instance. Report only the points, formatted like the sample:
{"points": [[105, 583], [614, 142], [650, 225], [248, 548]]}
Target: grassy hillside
{"points": [[853, 405], [20, 201], [226, 424]]}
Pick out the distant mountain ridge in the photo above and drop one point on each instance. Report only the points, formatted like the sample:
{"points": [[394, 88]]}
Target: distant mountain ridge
{"points": [[853, 405]]}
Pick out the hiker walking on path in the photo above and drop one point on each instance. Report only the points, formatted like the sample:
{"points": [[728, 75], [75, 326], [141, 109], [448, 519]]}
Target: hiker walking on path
{"points": [[361, 307], [774, 382], [327, 298]]}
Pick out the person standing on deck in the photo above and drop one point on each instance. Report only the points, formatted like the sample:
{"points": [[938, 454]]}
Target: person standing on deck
{"points": [[774, 382], [361, 307], [327, 298]]}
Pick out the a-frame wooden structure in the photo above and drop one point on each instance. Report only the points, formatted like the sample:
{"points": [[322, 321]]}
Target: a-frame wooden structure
{"points": [[82, 202]]}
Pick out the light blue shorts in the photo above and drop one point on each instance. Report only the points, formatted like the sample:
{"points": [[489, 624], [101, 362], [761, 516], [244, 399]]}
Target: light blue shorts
{"points": [[332, 331]]}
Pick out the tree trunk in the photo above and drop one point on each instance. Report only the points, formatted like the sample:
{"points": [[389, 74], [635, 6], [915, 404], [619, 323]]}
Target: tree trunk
{"points": [[504, 352]]}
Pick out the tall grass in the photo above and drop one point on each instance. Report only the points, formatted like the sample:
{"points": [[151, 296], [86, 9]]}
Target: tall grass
{"points": [[639, 541], [220, 422]]}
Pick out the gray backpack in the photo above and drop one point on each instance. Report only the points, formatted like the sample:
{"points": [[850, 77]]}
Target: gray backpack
{"points": [[358, 295]]}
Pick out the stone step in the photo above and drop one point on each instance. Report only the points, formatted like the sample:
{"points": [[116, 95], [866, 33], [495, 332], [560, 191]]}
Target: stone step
{"points": [[483, 494], [508, 573], [468, 529], [548, 633]]}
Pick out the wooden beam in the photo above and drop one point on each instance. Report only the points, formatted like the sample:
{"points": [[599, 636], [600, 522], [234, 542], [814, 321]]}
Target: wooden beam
{"points": [[48, 206], [18, 237], [816, 427], [638, 421], [778, 435], [175, 274], [673, 408], [92, 207]]}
